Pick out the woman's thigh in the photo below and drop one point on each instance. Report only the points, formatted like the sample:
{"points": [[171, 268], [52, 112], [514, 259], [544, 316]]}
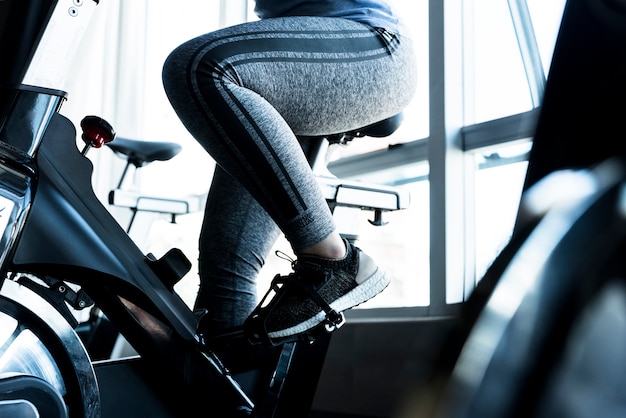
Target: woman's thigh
{"points": [[323, 75]]}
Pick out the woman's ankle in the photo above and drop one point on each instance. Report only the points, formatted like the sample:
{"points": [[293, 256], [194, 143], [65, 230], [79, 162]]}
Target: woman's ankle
{"points": [[332, 247]]}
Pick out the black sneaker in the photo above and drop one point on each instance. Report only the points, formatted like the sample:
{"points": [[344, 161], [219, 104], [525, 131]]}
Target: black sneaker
{"points": [[317, 291]]}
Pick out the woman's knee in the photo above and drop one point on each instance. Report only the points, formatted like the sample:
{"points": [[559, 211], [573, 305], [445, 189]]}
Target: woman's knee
{"points": [[172, 74]]}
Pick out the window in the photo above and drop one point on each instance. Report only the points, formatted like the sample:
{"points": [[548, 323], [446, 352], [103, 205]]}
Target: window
{"points": [[499, 86], [502, 42], [497, 190], [495, 82]]}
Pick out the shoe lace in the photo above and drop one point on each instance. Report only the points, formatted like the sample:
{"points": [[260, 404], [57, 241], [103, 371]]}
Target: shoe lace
{"points": [[284, 256], [303, 271]]}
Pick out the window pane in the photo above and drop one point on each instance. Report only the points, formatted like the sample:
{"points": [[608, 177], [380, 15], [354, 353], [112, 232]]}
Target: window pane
{"points": [[496, 84], [499, 181], [546, 19], [402, 248]]}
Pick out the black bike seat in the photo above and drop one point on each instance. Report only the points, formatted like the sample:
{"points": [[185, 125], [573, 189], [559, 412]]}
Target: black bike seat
{"points": [[141, 152], [379, 129]]}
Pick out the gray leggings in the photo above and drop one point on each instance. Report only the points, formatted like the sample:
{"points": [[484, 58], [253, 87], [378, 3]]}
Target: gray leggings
{"points": [[244, 93]]}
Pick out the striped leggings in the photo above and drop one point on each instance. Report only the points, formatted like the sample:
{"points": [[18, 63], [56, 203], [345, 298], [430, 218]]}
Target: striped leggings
{"points": [[244, 93]]}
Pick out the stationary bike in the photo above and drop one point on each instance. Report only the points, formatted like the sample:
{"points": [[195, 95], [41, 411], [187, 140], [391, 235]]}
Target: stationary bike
{"points": [[61, 252]]}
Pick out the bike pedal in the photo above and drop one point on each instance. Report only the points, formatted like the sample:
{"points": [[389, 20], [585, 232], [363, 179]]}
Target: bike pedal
{"points": [[333, 321]]}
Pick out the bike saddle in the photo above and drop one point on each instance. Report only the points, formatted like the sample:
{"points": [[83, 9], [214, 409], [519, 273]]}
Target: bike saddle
{"points": [[142, 152], [379, 129]]}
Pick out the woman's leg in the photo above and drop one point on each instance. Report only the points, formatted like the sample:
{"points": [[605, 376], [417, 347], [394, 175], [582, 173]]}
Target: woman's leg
{"points": [[244, 91], [236, 237]]}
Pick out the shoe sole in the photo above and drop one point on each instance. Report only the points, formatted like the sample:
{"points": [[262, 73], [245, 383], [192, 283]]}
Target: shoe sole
{"points": [[362, 293]]}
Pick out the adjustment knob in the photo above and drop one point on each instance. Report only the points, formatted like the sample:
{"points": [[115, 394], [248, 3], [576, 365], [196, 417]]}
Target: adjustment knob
{"points": [[96, 132]]}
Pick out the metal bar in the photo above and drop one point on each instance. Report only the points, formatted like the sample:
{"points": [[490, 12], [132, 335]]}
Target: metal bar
{"points": [[529, 49]]}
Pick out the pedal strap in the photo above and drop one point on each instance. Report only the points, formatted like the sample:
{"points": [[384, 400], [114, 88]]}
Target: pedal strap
{"points": [[256, 325]]}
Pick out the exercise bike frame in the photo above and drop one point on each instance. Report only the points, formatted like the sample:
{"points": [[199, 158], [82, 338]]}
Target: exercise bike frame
{"points": [[58, 230]]}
